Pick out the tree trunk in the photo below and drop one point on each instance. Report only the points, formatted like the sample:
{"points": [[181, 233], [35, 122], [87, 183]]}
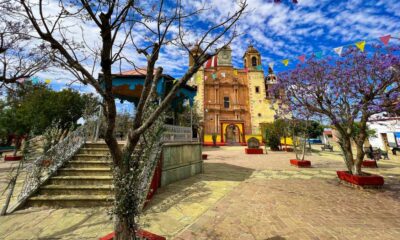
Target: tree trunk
{"points": [[360, 139], [123, 230], [17, 145], [345, 145], [304, 148], [9, 195]]}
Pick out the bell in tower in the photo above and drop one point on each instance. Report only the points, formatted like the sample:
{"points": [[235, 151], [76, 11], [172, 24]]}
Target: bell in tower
{"points": [[251, 58], [225, 56]]}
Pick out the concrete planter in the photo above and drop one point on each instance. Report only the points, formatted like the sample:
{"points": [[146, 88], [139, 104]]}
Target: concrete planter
{"points": [[300, 163], [370, 180], [12, 158], [369, 164], [142, 234], [253, 151]]}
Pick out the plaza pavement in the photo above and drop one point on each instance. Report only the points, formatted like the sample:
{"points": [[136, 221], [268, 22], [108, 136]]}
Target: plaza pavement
{"points": [[243, 197]]}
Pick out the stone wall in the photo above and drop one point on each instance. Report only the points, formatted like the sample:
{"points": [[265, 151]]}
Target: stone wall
{"points": [[180, 161]]}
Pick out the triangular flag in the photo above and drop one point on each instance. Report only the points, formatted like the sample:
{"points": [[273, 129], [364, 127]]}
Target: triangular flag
{"points": [[235, 72], [223, 74], [47, 81], [21, 80], [271, 65], [214, 76], [385, 39], [285, 62], [318, 54], [205, 77], [259, 67], [175, 80], [361, 45], [338, 50], [302, 58], [246, 70]]}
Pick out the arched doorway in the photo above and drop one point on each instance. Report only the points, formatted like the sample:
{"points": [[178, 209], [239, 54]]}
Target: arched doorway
{"points": [[232, 132]]}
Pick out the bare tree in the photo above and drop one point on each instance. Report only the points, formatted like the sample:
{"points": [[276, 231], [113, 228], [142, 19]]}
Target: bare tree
{"points": [[120, 27], [18, 61]]}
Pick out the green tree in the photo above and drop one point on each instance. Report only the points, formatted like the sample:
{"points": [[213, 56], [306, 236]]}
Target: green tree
{"points": [[35, 108]]}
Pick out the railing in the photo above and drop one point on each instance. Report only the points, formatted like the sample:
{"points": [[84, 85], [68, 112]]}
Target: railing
{"points": [[41, 169], [174, 133]]}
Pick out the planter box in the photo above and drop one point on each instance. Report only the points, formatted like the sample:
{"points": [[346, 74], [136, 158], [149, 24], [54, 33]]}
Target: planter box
{"points": [[140, 233], [210, 144], [287, 149], [204, 156], [12, 158], [365, 180], [370, 164], [299, 163], [253, 151]]}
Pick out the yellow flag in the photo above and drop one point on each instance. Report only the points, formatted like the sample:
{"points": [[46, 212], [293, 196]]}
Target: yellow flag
{"points": [[198, 78], [285, 62], [235, 72], [47, 81], [361, 45]]}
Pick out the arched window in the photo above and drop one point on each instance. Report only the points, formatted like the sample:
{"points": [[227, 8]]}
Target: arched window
{"points": [[245, 63], [254, 61]]}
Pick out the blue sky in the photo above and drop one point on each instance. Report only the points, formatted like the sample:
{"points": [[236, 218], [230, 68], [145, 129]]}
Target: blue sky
{"points": [[280, 31]]}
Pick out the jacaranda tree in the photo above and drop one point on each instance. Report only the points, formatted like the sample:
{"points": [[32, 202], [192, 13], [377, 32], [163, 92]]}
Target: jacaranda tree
{"points": [[346, 90]]}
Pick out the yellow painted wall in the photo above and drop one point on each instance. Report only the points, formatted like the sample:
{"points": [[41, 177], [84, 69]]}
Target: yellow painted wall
{"points": [[208, 138], [289, 141], [199, 98], [258, 103]]}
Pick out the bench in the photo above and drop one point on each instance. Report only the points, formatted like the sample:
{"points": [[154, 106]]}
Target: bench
{"points": [[395, 149], [327, 146]]}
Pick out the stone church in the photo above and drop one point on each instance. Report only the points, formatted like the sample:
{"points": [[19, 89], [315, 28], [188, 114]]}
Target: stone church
{"points": [[233, 103]]}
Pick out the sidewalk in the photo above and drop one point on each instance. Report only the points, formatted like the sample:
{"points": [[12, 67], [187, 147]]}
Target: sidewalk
{"points": [[242, 197]]}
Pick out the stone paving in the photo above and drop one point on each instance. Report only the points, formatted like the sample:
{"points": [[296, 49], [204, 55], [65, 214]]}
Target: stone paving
{"points": [[243, 197]]}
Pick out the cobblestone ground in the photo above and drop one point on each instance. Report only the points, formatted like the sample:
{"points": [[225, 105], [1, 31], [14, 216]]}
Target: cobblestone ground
{"points": [[282, 202], [243, 197]]}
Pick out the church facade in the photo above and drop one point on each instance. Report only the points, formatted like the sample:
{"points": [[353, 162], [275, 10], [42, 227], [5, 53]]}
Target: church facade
{"points": [[233, 103]]}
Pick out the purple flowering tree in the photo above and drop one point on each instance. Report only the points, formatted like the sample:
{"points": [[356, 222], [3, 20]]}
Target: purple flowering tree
{"points": [[346, 91]]}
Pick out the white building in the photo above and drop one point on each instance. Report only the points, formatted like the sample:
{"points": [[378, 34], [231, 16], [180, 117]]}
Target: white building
{"points": [[387, 132]]}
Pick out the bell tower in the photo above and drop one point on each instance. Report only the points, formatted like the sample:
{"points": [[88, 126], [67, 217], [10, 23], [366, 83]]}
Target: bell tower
{"points": [[195, 51], [225, 56], [251, 58]]}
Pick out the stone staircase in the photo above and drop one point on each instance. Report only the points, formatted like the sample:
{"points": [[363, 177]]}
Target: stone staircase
{"points": [[85, 181]]}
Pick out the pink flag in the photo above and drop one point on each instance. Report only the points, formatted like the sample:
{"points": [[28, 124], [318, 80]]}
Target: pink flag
{"points": [[302, 58], [385, 39]]}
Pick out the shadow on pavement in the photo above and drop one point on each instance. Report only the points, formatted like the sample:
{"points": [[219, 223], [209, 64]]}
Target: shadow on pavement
{"points": [[197, 188]]}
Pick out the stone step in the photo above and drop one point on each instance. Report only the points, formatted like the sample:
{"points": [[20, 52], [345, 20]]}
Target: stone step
{"points": [[104, 151], [76, 190], [70, 201], [100, 157], [81, 180], [88, 164], [99, 145], [84, 172]]}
